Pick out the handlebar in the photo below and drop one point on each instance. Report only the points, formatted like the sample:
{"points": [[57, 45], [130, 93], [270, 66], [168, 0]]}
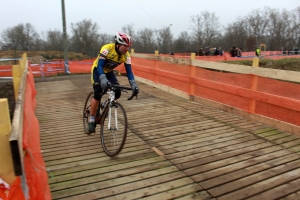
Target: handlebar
{"points": [[123, 88]]}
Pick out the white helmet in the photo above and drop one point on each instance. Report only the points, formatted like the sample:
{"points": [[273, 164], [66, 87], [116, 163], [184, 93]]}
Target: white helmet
{"points": [[123, 38]]}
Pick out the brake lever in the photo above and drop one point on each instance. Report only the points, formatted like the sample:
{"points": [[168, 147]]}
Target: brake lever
{"points": [[133, 94]]}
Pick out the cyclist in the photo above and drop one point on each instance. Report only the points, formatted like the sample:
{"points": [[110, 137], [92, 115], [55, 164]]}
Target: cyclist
{"points": [[110, 56]]}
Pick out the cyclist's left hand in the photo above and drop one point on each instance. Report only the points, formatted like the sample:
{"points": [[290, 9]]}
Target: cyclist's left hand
{"points": [[134, 87]]}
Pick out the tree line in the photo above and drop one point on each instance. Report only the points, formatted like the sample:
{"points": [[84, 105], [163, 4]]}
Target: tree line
{"points": [[278, 29]]}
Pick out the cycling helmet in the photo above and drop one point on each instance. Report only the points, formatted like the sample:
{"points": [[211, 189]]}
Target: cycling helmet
{"points": [[123, 38]]}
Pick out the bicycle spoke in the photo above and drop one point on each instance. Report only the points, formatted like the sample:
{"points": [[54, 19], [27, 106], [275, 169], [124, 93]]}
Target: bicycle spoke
{"points": [[114, 130]]}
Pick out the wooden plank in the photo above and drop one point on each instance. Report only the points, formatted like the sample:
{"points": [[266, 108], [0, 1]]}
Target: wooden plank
{"points": [[262, 181], [170, 194], [199, 195], [17, 76], [16, 135], [229, 150], [103, 168], [124, 184], [218, 183], [6, 168], [264, 72], [280, 192], [84, 167], [95, 159], [202, 151], [204, 142], [292, 196], [209, 163], [238, 166], [111, 174], [72, 157]]}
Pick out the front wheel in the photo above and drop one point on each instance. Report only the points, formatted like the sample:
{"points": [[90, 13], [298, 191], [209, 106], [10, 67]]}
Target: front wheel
{"points": [[87, 112], [113, 129]]}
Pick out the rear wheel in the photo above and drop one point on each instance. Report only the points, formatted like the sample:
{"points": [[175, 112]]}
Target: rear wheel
{"points": [[86, 112], [113, 129]]}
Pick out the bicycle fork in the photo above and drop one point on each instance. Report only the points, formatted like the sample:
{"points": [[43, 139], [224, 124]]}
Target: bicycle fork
{"points": [[109, 118]]}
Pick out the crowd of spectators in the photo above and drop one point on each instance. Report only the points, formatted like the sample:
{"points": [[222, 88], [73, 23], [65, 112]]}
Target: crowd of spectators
{"points": [[235, 52], [216, 51]]}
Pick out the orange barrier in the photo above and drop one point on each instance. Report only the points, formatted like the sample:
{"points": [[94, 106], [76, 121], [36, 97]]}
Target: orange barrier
{"points": [[5, 71], [35, 168], [54, 67], [36, 178], [78, 67], [268, 97], [14, 191]]}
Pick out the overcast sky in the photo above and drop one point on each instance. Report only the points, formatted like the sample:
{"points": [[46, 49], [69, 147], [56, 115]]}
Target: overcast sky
{"points": [[112, 15]]}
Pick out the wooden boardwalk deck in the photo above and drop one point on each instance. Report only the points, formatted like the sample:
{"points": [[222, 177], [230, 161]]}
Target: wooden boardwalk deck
{"points": [[205, 153]]}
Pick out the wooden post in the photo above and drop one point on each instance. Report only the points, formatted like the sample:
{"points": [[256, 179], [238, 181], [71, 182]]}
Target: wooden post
{"points": [[252, 104], [193, 56], [16, 134], [6, 167], [255, 62], [17, 75], [192, 85]]}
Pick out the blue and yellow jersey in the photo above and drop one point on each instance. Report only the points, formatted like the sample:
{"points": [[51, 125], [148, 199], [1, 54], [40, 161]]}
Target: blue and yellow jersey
{"points": [[113, 59]]}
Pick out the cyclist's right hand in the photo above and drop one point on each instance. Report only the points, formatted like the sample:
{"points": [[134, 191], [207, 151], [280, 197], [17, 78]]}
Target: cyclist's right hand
{"points": [[104, 82]]}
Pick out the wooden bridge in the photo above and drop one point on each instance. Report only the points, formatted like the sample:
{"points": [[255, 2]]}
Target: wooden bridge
{"points": [[176, 149]]}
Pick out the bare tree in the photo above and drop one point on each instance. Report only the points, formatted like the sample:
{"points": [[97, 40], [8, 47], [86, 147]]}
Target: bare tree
{"points": [[235, 34], [129, 30], [205, 28], [102, 40], [85, 36], [145, 41], [21, 37], [278, 24], [164, 39], [54, 40], [293, 31], [183, 43], [257, 23]]}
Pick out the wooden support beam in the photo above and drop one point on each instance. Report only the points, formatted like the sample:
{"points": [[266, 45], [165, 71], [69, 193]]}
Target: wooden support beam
{"points": [[16, 135], [6, 165]]}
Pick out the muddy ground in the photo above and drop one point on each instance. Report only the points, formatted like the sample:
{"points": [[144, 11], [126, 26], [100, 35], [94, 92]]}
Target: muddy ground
{"points": [[7, 91]]}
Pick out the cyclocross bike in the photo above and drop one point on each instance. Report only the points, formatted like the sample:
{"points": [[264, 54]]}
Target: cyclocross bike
{"points": [[112, 118]]}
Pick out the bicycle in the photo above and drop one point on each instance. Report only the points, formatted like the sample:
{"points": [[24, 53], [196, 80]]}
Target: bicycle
{"points": [[112, 118]]}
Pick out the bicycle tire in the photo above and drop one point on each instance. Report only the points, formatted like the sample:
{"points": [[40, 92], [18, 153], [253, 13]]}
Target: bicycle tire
{"points": [[114, 139], [86, 112]]}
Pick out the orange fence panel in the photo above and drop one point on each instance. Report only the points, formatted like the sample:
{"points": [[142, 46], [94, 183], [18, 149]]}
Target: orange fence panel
{"points": [[35, 175], [5, 71], [273, 98]]}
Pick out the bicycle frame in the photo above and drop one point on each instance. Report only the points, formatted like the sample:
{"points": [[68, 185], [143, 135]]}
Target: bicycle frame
{"points": [[111, 99]]}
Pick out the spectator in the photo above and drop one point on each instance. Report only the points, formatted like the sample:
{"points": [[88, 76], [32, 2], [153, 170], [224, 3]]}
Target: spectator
{"points": [[238, 52], [217, 52], [207, 51], [233, 51], [257, 52], [201, 52], [221, 51]]}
